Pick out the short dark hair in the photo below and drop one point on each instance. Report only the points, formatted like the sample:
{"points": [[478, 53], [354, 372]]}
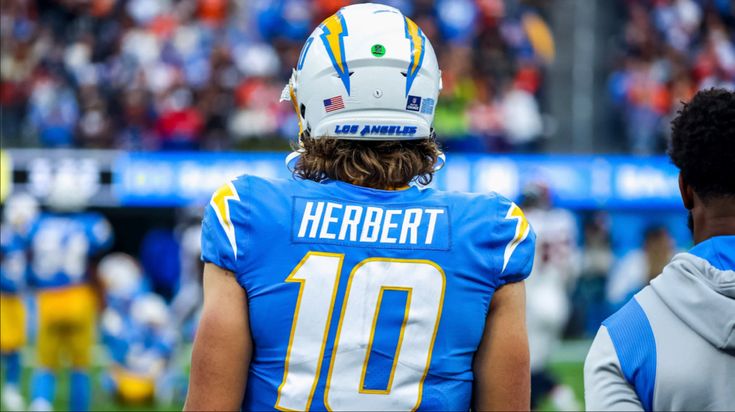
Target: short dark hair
{"points": [[703, 143], [375, 164]]}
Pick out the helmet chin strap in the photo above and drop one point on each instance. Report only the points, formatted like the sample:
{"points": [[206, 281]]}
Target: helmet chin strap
{"points": [[292, 158], [441, 160], [289, 94]]}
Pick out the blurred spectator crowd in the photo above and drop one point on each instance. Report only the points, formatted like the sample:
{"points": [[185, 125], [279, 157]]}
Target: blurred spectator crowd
{"points": [[207, 74], [669, 50]]}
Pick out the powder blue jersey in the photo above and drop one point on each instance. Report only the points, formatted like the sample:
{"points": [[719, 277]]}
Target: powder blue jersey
{"points": [[61, 245], [364, 299], [13, 260]]}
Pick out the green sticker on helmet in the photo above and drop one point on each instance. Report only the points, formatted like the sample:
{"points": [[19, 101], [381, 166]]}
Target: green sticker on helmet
{"points": [[378, 50]]}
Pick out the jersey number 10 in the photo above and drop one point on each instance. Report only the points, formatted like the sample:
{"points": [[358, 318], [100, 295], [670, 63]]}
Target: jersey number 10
{"points": [[318, 273]]}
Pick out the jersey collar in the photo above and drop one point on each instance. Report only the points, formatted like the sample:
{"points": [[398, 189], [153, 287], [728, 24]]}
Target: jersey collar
{"points": [[719, 251], [409, 192]]}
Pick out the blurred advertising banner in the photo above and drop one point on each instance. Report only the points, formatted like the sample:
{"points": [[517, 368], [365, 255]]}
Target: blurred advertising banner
{"points": [[183, 179], [36, 171], [576, 182], [189, 178]]}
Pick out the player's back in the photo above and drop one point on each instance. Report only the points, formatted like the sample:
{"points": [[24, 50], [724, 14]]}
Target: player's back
{"points": [[361, 298]]}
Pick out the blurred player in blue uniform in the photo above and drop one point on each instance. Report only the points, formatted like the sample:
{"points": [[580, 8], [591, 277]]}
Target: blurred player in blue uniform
{"points": [[62, 243], [19, 215], [135, 331], [347, 289], [140, 345]]}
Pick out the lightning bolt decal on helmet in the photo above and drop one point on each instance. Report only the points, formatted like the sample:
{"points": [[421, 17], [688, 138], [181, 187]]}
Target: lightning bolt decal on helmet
{"points": [[334, 30], [418, 42]]}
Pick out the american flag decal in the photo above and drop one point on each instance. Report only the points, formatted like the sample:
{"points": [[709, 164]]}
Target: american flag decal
{"points": [[333, 103]]}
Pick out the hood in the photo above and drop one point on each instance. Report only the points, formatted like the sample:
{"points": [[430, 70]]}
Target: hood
{"points": [[699, 287]]}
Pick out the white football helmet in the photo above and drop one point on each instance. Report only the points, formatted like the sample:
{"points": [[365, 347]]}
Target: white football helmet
{"points": [[150, 310], [121, 275], [67, 194], [366, 73], [20, 211]]}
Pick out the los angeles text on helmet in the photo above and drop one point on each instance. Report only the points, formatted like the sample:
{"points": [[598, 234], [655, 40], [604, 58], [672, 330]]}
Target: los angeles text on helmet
{"points": [[391, 130]]}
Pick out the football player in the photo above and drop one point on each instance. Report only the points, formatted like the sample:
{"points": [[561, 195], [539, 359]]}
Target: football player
{"points": [[62, 243], [135, 329], [140, 344], [347, 288], [548, 306], [672, 346], [186, 304], [20, 213]]}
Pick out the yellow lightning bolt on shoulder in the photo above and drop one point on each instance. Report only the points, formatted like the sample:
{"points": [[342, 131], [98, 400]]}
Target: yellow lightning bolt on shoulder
{"points": [[522, 229], [220, 204]]}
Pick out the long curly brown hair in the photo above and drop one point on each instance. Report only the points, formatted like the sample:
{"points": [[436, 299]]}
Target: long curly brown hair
{"points": [[374, 164]]}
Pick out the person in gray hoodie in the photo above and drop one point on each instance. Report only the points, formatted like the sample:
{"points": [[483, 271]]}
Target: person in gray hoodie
{"points": [[672, 347]]}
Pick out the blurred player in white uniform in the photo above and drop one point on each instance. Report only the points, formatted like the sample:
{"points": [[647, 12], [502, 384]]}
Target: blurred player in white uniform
{"points": [[548, 308], [186, 304], [19, 215]]}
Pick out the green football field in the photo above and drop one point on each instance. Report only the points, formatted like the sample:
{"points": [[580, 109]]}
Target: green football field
{"points": [[100, 400], [566, 366], [571, 374]]}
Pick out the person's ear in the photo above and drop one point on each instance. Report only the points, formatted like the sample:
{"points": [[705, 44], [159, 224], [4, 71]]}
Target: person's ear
{"points": [[687, 193]]}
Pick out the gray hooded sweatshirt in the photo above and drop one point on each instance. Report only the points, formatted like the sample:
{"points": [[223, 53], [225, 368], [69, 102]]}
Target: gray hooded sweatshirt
{"points": [[671, 347]]}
